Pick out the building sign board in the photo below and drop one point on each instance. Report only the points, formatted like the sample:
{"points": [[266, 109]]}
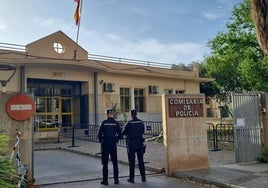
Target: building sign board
{"points": [[185, 107]]}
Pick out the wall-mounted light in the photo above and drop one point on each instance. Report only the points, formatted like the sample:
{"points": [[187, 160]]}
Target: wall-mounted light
{"points": [[6, 67]]}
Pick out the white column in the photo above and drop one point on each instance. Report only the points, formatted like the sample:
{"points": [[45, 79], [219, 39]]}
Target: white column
{"points": [[132, 99]]}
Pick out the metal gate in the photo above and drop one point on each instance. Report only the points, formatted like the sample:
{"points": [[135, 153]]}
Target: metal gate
{"points": [[247, 130]]}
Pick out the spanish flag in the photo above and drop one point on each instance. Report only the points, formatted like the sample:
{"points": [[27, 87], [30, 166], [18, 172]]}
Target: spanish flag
{"points": [[77, 12]]}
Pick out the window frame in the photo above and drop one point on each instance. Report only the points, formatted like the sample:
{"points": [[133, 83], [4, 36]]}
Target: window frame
{"points": [[125, 99], [139, 99]]}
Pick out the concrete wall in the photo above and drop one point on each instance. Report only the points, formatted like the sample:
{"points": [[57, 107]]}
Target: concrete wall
{"points": [[11, 128], [44, 47], [185, 137], [153, 106]]}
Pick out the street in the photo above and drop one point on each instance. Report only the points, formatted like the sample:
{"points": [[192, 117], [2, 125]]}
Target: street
{"points": [[58, 168]]}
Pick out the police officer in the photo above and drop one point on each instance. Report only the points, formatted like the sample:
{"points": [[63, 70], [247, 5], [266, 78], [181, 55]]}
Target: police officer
{"points": [[109, 134], [134, 130]]}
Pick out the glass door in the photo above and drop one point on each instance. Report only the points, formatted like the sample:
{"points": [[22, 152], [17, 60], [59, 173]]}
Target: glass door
{"points": [[52, 112]]}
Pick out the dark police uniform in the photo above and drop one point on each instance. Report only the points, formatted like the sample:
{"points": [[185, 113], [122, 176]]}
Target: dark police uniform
{"points": [[109, 134], [134, 130]]}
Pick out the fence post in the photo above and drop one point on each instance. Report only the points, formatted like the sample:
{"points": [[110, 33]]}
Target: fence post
{"points": [[73, 144], [216, 143], [215, 137]]}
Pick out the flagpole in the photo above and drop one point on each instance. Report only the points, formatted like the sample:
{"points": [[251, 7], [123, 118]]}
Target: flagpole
{"points": [[78, 29]]}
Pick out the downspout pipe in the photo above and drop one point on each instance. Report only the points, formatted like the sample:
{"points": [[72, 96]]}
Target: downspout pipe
{"points": [[22, 79], [96, 100]]}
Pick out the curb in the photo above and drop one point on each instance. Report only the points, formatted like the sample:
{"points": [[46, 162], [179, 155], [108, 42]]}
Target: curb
{"points": [[207, 181]]}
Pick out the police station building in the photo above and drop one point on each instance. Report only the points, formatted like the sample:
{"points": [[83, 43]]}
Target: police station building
{"points": [[74, 87]]}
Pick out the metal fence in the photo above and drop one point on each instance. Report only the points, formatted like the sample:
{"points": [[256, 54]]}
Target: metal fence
{"points": [[220, 133], [248, 139], [89, 132], [152, 128]]}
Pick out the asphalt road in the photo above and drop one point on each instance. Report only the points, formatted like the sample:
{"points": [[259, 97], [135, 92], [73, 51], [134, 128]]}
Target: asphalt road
{"points": [[58, 168]]}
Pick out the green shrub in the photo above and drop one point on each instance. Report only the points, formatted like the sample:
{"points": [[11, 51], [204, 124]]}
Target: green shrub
{"points": [[264, 157]]}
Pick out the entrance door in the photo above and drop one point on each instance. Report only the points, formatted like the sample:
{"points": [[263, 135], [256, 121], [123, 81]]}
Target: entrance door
{"points": [[55, 103], [247, 130], [52, 112]]}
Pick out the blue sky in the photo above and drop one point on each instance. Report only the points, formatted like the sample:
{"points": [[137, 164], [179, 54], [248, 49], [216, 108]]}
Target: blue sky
{"points": [[165, 31]]}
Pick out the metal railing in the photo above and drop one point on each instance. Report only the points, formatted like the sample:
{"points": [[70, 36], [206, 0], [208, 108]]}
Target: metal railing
{"points": [[22, 48], [216, 134], [89, 132], [128, 61], [152, 128], [8, 46], [222, 132]]}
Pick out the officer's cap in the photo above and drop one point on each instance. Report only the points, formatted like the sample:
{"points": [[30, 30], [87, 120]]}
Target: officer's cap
{"points": [[133, 112], [108, 111]]}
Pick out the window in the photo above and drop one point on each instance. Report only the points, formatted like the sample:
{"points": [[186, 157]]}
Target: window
{"points": [[58, 47], [139, 99], [125, 99], [51, 89]]}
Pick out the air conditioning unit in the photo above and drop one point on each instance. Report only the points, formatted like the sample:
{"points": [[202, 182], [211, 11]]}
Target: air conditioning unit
{"points": [[153, 89], [109, 87]]}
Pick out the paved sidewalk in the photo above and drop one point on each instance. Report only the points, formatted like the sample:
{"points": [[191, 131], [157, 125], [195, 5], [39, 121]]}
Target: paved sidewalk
{"points": [[222, 171]]}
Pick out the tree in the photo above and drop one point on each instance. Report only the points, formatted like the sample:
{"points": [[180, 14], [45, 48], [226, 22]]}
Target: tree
{"points": [[181, 67], [208, 88], [259, 9], [236, 61]]}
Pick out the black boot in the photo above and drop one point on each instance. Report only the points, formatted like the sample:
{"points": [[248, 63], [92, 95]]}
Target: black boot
{"points": [[116, 181], [130, 180], [103, 182], [143, 179]]}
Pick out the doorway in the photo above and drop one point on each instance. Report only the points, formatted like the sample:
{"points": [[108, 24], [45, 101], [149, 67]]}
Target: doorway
{"points": [[55, 102], [52, 112]]}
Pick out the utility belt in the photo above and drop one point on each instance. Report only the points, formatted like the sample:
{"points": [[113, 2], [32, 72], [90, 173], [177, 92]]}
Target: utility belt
{"points": [[135, 140], [142, 140]]}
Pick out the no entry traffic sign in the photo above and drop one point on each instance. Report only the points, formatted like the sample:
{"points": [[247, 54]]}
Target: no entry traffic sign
{"points": [[20, 107]]}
